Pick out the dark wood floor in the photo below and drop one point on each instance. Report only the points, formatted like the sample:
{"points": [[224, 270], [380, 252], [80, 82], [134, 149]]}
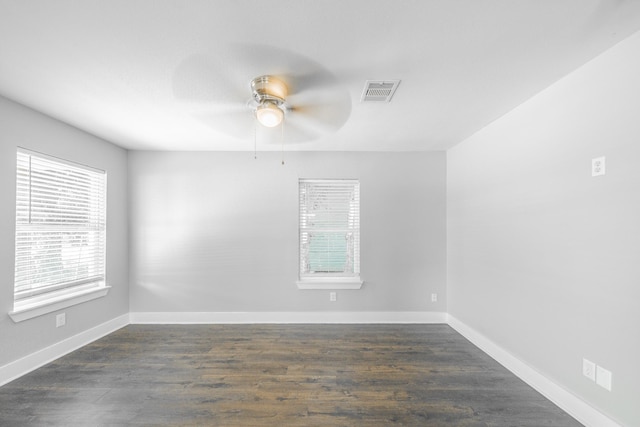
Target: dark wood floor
{"points": [[277, 375]]}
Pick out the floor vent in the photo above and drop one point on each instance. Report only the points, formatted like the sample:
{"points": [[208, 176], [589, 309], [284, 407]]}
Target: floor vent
{"points": [[379, 90]]}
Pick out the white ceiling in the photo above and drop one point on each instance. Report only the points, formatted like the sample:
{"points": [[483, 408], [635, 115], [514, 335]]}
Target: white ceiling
{"points": [[124, 69]]}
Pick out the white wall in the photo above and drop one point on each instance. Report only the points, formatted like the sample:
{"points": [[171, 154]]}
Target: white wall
{"points": [[543, 259], [20, 126], [218, 232]]}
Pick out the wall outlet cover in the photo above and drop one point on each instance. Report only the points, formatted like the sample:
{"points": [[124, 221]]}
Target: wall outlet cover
{"points": [[603, 378], [61, 319], [598, 166], [589, 369]]}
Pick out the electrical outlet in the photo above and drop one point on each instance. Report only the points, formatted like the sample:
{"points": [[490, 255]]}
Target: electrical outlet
{"points": [[333, 296], [589, 369], [434, 297], [598, 166], [603, 378], [61, 319]]}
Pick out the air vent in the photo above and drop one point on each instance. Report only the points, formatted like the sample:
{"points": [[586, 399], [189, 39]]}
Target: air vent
{"points": [[379, 90]]}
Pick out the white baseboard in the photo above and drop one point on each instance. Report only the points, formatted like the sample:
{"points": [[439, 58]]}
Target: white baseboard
{"points": [[289, 317], [567, 401], [20, 367]]}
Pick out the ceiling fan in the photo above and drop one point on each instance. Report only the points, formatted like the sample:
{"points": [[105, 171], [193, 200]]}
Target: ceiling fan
{"points": [[269, 93], [245, 88]]}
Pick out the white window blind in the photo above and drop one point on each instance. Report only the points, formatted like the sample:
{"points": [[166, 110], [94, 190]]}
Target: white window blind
{"points": [[60, 228], [329, 228]]}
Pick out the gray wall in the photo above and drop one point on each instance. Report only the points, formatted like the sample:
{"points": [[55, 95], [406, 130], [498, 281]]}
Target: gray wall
{"points": [[543, 259], [20, 126], [218, 232]]}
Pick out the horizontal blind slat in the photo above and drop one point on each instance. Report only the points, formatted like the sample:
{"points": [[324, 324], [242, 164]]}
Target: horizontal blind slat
{"points": [[60, 226], [329, 227]]}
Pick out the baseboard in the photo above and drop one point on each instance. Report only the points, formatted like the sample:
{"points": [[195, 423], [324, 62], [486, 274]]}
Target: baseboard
{"points": [[567, 401], [288, 317], [20, 367]]}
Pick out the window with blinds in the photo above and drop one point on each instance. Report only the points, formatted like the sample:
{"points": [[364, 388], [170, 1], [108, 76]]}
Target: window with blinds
{"points": [[60, 229], [329, 228]]}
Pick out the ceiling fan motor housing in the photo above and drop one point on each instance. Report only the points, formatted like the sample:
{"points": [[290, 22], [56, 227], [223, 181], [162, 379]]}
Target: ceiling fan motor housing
{"points": [[269, 88], [269, 92]]}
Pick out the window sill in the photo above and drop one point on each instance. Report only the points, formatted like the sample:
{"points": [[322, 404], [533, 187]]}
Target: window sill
{"points": [[35, 309], [330, 283]]}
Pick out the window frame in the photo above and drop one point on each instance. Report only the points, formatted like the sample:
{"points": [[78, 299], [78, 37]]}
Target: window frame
{"points": [[330, 280], [88, 199]]}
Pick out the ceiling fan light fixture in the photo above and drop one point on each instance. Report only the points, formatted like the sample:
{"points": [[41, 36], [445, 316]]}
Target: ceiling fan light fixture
{"points": [[269, 114]]}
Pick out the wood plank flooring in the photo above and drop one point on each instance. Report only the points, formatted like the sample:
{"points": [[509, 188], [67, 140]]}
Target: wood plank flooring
{"points": [[277, 375]]}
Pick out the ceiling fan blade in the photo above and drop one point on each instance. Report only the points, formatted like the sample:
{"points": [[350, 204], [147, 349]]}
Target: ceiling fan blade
{"points": [[299, 131], [318, 79], [299, 72], [204, 78], [329, 112], [239, 124], [306, 123], [305, 128], [203, 107], [293, 132], [215, 89]]}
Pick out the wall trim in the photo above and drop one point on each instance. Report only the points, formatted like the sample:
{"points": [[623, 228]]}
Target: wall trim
{"points": [[567, 401], [289, 317], [64, 300], [33, 361]]}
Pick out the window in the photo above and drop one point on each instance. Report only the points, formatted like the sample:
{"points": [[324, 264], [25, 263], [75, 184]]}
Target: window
{"points": [[60, 234], [329, 234]]}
